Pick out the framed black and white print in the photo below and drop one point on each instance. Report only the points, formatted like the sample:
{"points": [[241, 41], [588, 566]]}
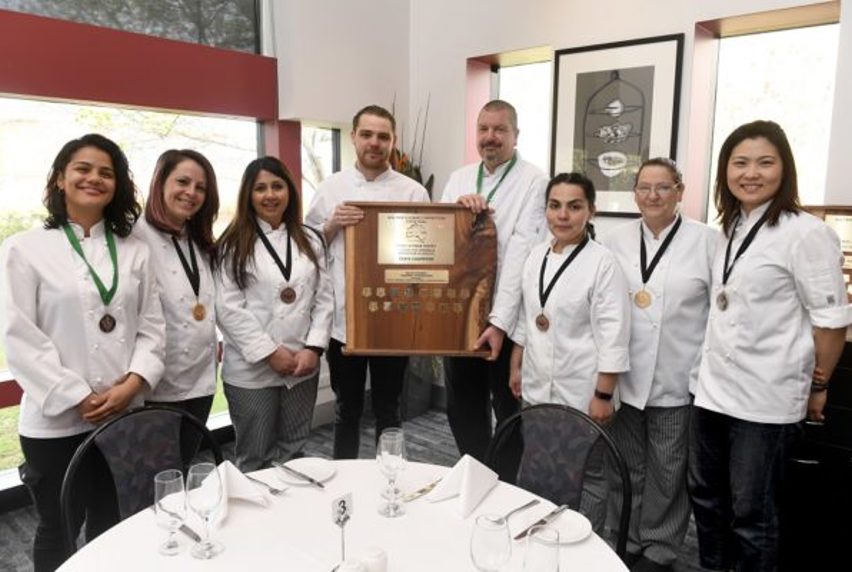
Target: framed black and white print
{"points": [[615, 106]]}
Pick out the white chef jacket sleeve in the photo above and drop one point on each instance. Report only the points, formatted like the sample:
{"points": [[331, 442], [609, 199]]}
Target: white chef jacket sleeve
{"points": [[149, 350], [32, 355], [323, 308], [236, 321], [610, 317], [816, 261], [711, 244], [319, 211], [526, 234]]}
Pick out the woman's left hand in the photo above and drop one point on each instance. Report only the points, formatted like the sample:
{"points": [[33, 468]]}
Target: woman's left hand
{"points": [[816, 403], [116, 398], [601, 411], [306, 362]]}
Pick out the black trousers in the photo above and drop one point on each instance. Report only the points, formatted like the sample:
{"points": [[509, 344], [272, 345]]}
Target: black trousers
{"points": [[94, 500], [474, 388], [190, 439], [348, 380]]}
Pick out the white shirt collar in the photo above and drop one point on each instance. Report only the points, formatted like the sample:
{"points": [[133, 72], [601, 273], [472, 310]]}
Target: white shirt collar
{"points": [[360, 178], [648, 233], [98, 229], [501, 168]]}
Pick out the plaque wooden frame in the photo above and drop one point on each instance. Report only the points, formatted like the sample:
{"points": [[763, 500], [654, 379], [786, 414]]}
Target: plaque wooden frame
{"points": [[434, 297]]}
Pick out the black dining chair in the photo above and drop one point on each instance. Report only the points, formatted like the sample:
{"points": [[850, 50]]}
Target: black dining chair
{"points": [[546, 448], [136, 445]]}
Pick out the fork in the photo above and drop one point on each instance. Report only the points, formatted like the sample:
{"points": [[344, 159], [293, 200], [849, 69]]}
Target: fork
{"points": [[272, 490]]}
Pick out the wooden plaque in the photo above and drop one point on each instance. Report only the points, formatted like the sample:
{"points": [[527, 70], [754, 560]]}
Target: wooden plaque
{"points": [[419, 279]]}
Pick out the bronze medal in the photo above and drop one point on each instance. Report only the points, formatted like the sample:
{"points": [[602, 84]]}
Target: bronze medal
{"points": [[107, 323], [542, 323], [722, 301], [199, 311], [288, 295], [642, 298]]}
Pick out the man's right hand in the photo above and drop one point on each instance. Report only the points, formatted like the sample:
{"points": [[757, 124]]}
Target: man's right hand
{"points": [[476, 203], [343, 216]]}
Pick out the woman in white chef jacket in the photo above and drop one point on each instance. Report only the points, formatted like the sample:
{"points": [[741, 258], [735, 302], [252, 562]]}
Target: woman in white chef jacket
{"points": [[666, 260], [83, 329], [182, 204], [775, 333], [274, 306], [574, 324]]}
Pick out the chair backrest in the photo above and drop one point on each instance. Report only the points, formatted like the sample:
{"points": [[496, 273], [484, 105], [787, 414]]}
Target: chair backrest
{"points": [[545, 449], [136, 446]]}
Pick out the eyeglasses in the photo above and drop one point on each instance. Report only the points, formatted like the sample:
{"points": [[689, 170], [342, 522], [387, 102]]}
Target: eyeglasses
{"points": [[661, 189]]}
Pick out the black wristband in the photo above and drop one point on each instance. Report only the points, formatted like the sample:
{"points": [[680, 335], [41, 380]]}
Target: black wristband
{"points": [[603, 395], [818, 386]]}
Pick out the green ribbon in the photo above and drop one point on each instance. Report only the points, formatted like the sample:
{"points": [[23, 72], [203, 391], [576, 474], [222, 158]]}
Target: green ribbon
{"points": [[106, 295], [480, 175]]}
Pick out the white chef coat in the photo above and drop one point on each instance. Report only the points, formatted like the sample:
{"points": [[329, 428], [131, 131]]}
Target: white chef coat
{"points": [[519, 216], [666, 337], [190, 364], [589, 331], [254, 321], [50, 312], [759, 353], [350, 185]]}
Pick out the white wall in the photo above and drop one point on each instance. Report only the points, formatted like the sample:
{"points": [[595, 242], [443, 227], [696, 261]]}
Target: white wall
{"points": [[336, 56], [838, 181]]}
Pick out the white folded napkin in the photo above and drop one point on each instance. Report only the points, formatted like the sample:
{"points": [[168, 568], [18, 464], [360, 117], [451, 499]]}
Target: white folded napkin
{"points": [[470, 480], [235, 485]]}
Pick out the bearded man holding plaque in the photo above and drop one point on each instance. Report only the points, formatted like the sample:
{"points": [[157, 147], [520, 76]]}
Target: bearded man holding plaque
{"points": [[371, 179], [514, 190]]}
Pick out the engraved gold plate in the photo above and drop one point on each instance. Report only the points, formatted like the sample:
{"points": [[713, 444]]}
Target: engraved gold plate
{"points": [[412, 276], [416, 238], [642, 298]]}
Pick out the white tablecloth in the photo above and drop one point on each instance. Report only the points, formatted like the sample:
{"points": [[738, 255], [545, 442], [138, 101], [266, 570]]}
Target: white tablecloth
{"points": [[295, 532]]}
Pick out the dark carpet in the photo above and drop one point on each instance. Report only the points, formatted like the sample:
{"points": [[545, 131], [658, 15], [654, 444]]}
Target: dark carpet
{"points": [[428, 439]]}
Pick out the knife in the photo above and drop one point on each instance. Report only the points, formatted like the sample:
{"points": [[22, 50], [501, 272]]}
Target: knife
{"points": [[543, 520], [298, 474], [420, 492], [191, 534]]}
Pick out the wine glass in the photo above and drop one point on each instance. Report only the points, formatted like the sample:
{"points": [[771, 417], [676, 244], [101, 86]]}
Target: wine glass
{"points": [[542, 553], [390, 455], [204, 493], [490, 543], [170, 506]]}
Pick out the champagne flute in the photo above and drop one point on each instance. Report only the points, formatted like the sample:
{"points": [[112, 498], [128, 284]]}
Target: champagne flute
{"points": [[490, 543], [391, 457], [542, 553], [204, 493], [170, 506]]}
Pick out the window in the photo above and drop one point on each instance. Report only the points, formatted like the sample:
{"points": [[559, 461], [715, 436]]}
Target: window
{"points": [[320, 158], [32, 132], [787, 77], [230, 24], [528, 88]]}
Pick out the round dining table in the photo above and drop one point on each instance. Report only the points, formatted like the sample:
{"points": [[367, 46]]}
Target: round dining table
{"points": [[296, 530]]}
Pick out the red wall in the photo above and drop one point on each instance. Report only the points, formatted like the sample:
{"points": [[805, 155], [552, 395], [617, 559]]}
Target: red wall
{"points": [[44, 57]]}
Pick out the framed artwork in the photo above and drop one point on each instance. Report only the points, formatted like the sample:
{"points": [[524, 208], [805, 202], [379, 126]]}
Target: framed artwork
{"points": [[615, 106]]}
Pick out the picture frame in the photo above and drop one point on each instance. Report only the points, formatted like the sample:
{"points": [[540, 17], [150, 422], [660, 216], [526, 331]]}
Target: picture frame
{"points": [[616, 105]]}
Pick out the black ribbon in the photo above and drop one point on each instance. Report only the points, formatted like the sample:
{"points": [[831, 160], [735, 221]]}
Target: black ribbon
{"points": [[284, 268], [726, 271], [544, 294], [190, 268], [643, 255]]}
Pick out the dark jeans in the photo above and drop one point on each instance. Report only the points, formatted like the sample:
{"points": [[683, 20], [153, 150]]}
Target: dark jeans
{"points": [[348, 380], [736, 473], [190, 438], [94, 499], [474, 387]]}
